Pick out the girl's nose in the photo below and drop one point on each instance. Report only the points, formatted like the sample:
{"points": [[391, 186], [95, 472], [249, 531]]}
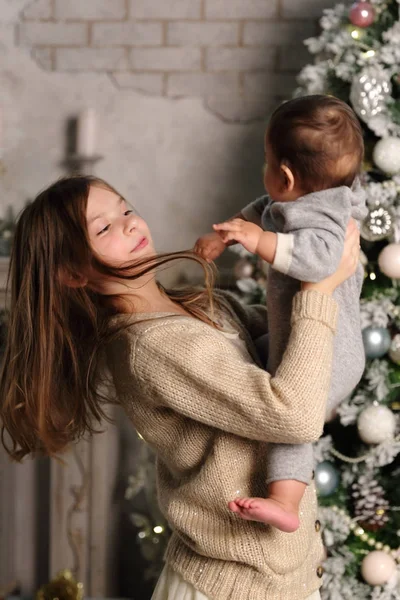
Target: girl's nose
{"points": [[130, 224]]}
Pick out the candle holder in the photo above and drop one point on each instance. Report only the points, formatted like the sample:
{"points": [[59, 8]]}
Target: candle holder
{"points": [[79, 164]]}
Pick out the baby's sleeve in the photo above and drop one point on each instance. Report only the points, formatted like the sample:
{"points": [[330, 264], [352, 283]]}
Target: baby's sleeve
{"points": [[310, 244], [256, 211]]}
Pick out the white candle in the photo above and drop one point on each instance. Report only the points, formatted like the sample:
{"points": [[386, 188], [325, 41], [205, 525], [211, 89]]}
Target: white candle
{"points": [[86, 135]]}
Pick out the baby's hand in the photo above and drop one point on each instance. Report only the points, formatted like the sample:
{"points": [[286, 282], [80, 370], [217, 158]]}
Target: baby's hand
{"points": [[247, 234], [209, 246]]}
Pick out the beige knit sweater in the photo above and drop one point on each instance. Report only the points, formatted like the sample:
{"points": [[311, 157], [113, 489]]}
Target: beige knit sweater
{"points": [[207, 410]]}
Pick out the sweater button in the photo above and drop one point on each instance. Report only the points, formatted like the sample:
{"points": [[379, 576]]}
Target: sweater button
{"points": [[320, 571], [317, 526]]}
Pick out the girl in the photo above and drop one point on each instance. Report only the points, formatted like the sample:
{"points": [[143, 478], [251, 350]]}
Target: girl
{"points": [[185, 369]]}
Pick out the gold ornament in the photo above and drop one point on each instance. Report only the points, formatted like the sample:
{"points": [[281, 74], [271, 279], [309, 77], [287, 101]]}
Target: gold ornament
{"points": [[62, 587]]}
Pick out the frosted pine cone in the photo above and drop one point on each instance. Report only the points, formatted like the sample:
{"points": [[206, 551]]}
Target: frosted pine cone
{"points": [[370, 504]]}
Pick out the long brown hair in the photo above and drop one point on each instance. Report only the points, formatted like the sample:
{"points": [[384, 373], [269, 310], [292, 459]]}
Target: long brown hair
{"points": [[49, 382]]}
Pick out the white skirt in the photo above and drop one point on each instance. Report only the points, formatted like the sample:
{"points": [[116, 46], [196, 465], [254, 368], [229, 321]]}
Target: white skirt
{"points": [[171, 586]]}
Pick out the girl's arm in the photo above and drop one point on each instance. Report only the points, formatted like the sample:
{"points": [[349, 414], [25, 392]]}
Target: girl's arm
{"points": [[191, 368]]}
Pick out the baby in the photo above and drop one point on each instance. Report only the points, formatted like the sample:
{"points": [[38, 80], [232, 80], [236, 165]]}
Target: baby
{"points": [[313, 152]]}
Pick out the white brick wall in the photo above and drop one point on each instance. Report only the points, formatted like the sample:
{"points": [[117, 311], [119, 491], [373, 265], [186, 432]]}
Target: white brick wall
{"points": [[90, 9], [239, 59], [304, 9], [150, 83], [90, 59], [202, 34], [53, 34], [166, 59], [202, 84], [44, 57], [259, 33], [261, 84], [240, 56], [41, 9], [241, 9], [165, 9], [131, 33]]}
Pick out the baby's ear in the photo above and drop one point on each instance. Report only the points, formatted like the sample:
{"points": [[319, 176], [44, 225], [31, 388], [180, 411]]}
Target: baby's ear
{"points": [[288, 177], [72, 280]]}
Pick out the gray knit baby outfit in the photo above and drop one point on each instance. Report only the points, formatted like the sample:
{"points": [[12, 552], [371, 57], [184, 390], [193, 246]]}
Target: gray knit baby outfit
{"points": [[310, 237]]}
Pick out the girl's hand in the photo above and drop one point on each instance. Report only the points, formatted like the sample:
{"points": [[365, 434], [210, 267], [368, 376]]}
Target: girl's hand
{"points": [[348, 264], [238, 230], [209, 246]]}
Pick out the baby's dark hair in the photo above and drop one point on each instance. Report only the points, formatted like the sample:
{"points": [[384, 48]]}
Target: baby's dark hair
{"points": [[319, 137]]}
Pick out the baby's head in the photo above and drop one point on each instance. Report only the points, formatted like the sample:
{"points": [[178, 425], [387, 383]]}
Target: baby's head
{"points": [[312, 143]]}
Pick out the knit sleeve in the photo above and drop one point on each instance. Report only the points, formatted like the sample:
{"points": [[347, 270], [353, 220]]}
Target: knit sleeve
{"points": [[198, 372]]}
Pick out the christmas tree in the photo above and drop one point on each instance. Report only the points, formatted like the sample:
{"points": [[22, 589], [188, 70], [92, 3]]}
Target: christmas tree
{"points": [[357, 59]]}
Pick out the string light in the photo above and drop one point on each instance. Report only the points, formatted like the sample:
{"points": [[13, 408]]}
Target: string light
{"points": [[359, 532], [355, 34]]}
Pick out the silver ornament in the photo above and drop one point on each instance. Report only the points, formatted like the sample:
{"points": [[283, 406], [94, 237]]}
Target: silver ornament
{"points": [[376, 341], [394, 351], [370, 91], [326, 478], [378, 225]]}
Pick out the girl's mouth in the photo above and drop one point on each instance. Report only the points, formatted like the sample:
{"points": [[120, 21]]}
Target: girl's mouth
{"points": [[142, 244]]}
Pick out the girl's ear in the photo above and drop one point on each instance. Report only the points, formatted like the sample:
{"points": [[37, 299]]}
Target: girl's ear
{"points": [[72, 280], [288, 177]]}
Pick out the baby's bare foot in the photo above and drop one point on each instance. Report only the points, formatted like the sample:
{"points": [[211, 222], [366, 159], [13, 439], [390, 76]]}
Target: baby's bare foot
{"points": [[268, 511]]}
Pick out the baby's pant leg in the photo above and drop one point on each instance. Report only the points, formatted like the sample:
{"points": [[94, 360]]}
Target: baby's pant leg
{"points": [[290, 461]]}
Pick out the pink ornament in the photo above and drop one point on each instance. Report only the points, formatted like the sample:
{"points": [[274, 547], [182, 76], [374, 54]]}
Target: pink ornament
{"points": [[377, 568], [362, 14], [389, 261]]}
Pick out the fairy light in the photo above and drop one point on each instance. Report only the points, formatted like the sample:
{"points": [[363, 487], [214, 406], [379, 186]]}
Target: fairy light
{"points": [[369, 54], [372, 276], [158, 529], [355, 34]]}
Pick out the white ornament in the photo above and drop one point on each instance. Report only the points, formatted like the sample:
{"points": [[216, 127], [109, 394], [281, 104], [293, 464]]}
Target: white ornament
{"points": [[386, 155], [377, 568], [389, 261], [394, 351], [370, 92], [376, 424]]}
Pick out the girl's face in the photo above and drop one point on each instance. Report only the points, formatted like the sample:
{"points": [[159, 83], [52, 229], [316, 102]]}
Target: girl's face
{"points": [[116, 233]]}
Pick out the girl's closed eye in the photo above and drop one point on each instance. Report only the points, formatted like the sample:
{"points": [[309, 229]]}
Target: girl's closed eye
{"points": [[104, 230], [128, 212]]}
